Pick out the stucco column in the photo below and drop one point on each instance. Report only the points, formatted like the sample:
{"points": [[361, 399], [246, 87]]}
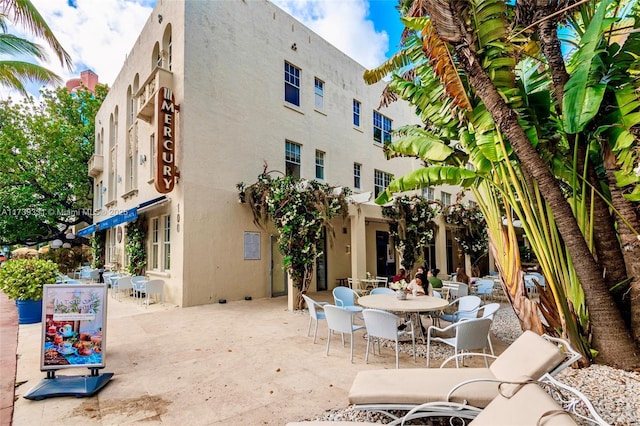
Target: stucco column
{"points": [[441, 245], [358, 242], [292, 293]]}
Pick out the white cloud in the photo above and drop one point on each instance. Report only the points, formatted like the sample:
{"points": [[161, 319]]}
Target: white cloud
{"points": [[344, 24], [98, 34]]}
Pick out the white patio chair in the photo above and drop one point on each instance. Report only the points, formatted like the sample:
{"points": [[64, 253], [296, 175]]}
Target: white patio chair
{"points": [[384, 325], [484, 288], [382, 281], [316, 312], [466, 307], [138, 283], [153, 288], [122, 284], [382, 290], [469, 334], [346, 298], [340, 320]]}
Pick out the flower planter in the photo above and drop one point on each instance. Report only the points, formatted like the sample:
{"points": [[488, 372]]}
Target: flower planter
{"points": [[29, 311], [401, 294]]}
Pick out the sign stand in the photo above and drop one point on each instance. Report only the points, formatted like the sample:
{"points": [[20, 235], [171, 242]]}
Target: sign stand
{"points": [[78, 386], [73, 335]]}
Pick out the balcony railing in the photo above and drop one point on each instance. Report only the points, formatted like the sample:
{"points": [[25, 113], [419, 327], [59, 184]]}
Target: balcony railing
{"points": [[146, 95], [96, 165]]}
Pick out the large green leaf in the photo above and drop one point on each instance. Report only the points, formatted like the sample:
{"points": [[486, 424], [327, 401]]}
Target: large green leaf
{"points": [[425, 146], [585, 89], [428, 176]]}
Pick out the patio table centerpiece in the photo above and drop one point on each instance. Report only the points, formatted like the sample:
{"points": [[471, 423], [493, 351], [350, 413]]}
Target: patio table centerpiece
{"points": [[401, 289]]}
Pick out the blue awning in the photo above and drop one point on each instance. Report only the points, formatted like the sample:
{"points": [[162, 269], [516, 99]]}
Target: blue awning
{"points": [[128, 216], [86, 231]]}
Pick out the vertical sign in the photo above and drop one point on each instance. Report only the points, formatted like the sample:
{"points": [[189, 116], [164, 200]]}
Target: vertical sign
{"points": [[74, 326], [165, 177]]}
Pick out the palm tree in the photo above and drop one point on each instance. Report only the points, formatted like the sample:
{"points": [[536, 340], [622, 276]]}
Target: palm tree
{"points": [[514, 146], [15, 73]]}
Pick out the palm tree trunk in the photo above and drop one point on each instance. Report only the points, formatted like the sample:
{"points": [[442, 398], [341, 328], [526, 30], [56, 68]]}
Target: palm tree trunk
{"points": [[610, 335], [606, 244], [630, 243]]}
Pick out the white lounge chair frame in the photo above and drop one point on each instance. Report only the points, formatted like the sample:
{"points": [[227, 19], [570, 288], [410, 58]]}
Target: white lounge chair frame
{"points": [[444, 403], [567, 398]]}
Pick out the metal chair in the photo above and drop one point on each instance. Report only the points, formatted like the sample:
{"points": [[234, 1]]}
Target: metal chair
{"points": [[384, 325], [383, 281], [316, 312], [340, 320]]}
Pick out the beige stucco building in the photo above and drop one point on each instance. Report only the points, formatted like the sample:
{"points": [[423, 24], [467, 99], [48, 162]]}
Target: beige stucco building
{"points": [[252, 88]]}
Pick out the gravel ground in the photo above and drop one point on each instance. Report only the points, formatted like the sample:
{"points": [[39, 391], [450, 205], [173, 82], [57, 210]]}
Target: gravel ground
{"points": [[614, 393]]}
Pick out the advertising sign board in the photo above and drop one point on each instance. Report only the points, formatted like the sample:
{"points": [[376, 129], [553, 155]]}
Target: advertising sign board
{"points": [[73, 326]]}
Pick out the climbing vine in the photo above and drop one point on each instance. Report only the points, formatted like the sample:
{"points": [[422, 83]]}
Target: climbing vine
{"points": [[97, 249], [469, 228], [412, 227], [135, 247], [299, 210]]}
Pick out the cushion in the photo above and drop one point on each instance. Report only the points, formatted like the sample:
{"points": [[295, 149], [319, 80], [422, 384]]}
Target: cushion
{"points": [[529, 355], [420, 385], [528, 406]]}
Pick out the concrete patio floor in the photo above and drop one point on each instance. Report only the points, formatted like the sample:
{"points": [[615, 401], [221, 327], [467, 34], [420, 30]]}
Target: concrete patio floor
{"points": [[245, 362]]}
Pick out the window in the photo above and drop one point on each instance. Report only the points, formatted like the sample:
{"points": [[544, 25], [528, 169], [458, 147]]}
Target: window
{"points": [[170, 49], [291, 84], [429, 194], [155, 243], [166, 258], [100, 191], [111, 246], [152, 156], [357, 174], [131, 167], [381, 128], [380, 181], [445, 197], [356, 113], [319, 165], [160, 243], [319, 93], [292, 159]]}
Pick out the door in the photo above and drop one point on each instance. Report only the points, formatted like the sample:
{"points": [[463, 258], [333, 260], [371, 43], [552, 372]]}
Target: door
{"points": [[385, 265], [278, 275], [321, 264]]}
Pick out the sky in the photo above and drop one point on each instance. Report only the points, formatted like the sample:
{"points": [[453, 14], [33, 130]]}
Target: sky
{"points": [[98, 34]]}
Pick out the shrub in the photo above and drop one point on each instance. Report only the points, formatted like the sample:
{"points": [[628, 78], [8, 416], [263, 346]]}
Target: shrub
{"points": [[24, 279]]}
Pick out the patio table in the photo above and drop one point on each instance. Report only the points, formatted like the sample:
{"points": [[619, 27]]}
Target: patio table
{"points": [[412, 305]]}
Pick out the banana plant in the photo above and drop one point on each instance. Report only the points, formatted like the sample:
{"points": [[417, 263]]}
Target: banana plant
{"points": [[497, 179]]}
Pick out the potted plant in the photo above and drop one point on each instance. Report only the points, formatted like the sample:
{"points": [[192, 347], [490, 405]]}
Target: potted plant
{"points": [[23, 280]]}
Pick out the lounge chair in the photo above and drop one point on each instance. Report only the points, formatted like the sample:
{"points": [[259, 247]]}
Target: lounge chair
{"points": [[527, 403], [530, 355]]}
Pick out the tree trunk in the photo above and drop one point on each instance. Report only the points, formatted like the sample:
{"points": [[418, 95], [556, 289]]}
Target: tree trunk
{"points": [[607, 248], [610, 335], [630, 243]]}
